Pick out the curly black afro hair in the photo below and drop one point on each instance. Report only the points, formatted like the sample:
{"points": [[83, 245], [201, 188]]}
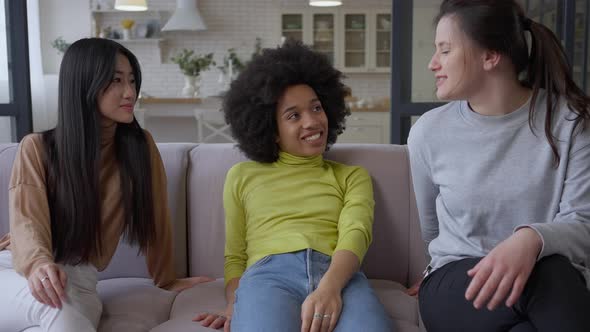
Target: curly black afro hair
{"points": [[250, 104]]}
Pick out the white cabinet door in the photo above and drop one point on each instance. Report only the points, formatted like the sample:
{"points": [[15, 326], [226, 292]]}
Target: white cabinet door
{"points": [[355, 41], [366, 127]]}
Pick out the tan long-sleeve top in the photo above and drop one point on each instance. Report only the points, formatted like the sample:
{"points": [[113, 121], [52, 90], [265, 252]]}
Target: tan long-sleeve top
{"points": [[30, 231]]}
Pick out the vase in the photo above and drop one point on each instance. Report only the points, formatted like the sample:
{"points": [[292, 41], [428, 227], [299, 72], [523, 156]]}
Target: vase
{"points": [[192, 85], [126, 34]]}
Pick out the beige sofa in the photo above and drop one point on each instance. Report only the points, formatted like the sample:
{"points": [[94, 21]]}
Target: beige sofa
{"points": [[195, 181]]}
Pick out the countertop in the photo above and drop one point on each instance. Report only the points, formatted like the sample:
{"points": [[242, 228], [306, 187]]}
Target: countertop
{"points": [[380, 107], [173, 100]]}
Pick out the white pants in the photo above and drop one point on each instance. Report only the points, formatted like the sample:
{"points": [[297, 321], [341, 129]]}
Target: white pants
{"points": [[19, 310]]}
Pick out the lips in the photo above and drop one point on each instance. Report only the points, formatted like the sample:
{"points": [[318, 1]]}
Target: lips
{"points": [[440, 80], [312, 136], [127, 107]]}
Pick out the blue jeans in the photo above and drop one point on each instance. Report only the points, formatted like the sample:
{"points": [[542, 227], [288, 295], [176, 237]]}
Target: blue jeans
{"points": [[273, 289]]}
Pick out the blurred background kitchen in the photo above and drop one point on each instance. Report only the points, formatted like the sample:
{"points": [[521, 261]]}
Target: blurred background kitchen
{"points": [[190, 50]]}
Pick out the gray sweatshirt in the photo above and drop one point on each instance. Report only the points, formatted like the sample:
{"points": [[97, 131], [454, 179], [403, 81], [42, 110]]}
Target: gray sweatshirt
{"points": [[480, 178]]}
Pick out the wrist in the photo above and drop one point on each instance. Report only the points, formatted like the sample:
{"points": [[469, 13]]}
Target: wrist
{"points": [[533, 239]]}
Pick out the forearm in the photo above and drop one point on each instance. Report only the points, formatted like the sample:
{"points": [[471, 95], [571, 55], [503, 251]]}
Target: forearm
{"points": [[344, 264], [230, 290]]}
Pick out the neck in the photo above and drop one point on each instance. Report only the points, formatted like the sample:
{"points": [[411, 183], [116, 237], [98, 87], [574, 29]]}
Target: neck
{"points": [[292, 160], [499, 95]]}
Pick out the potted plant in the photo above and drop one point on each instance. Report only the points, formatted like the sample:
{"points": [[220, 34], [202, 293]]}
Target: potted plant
{"points": [[191, 66], [60, 45], [232, 65]]}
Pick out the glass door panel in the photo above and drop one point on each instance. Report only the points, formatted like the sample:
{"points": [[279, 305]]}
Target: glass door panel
{"points": [[5, 95], [292, 26], [382, 40], [323, 34], [355, 31]]}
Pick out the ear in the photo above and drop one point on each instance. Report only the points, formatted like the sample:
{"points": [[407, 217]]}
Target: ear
{"points": [[491, 59]]}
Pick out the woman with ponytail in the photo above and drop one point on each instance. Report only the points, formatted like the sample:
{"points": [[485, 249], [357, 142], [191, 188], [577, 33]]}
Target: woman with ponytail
{"points": [[76, 189], [502, 177]]}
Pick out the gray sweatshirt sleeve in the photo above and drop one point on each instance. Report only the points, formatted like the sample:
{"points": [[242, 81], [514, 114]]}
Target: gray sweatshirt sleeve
{"points": [[569, 233], [425, 189]]}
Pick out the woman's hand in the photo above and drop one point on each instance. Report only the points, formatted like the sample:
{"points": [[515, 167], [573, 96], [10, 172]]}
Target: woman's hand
{"points": [[181, 284], [216, 321], [415, 289], [505, 270], [47, 283], [321, 309]]}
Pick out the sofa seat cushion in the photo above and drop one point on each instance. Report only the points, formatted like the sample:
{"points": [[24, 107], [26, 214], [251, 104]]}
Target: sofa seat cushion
{"points": [[209, 297], [133, 304]]}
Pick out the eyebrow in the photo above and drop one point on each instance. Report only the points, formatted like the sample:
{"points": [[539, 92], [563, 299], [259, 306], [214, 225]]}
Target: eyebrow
{"points": [[121, 72], [295, 107], [440, 44]]}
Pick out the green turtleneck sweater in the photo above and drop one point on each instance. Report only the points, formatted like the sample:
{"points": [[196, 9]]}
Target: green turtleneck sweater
{"points": [[293, 204]]}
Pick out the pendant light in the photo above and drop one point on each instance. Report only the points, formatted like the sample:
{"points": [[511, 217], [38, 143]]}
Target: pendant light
{"points": [[325, 3], [131, 5]]}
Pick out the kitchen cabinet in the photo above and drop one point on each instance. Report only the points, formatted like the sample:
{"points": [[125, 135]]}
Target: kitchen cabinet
{"points": [[354, 41], [366, 127]]}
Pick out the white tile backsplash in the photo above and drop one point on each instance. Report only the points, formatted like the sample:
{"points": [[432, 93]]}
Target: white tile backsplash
{"points": [[230, 24]]}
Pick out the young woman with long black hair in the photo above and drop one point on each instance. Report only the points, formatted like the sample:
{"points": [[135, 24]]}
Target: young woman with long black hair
{"points": [[76, 189], [502, 177]]}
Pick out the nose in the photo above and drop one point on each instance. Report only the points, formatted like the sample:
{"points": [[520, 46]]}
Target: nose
{"points": [[310, 120], [129, 92], [434, 65]]}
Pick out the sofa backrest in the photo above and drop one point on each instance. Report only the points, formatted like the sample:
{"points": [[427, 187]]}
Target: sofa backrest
{"points": [[196, 175], [126, 262], [397, 252]]}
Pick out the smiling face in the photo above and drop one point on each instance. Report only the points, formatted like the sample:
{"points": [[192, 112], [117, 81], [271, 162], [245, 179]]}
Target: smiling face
{"points": [[455, 62], [117, 100], [301, 121]]}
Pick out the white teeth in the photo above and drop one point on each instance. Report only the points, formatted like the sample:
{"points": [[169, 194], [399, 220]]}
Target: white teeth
{"points": [[313, 137]]}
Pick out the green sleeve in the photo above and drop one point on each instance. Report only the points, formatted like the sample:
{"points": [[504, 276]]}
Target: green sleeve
{"points": [[356, 218], [235, 227]]}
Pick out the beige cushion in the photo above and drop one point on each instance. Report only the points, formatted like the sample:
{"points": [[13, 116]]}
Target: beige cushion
{"points": [[133, 304], [210, 297]]}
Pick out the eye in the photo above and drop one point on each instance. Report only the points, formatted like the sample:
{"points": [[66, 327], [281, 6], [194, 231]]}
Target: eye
{"points": [[445, 52], [116, 79], [293, 116], [318, 108]]}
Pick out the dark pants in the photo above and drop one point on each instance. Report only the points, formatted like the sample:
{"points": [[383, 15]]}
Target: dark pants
{"points": [[555, 298]]}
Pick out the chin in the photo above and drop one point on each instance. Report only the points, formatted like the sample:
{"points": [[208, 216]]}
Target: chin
{"points": [[126, 120]]}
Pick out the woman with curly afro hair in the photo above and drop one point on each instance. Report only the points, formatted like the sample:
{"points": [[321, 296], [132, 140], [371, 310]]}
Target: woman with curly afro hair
{"points": [[297, 225]]}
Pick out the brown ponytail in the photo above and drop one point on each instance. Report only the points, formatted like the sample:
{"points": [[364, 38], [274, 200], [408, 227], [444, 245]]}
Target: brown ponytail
{"points": [[549, 69]]}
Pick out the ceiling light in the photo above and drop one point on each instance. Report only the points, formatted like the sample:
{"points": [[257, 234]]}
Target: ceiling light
{"points": [[325, 3], [131, 5], [186, 17]]}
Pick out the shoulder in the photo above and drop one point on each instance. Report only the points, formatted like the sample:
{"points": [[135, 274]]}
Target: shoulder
{"points": [[148, 137], [434, 119], [243, 168], [347, 171], [32, 147], [433, 122], [32, 142]]}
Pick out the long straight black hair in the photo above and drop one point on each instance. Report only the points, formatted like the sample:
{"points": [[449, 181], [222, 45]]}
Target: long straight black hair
{"points": [[73, 156], [500, 25]]}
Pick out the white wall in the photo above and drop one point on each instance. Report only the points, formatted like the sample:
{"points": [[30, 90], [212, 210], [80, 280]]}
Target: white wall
{"points": [[231, 24], [69, 19]]}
